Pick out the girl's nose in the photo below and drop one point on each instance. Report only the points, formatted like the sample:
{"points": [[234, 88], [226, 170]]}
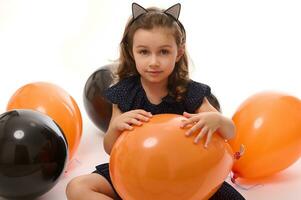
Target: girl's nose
{"points": [[154, 61]]}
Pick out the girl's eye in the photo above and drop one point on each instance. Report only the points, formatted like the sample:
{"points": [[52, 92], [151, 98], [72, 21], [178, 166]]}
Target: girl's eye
{"points": [[164, 52], [143, 52]]}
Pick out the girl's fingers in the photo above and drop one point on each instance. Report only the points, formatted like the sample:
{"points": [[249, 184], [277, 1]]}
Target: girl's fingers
{"points": [[144, 113], [209, 136], [193, 129], [191, 120], [187, 122], [185, 114], [134, 121], [126, 126], [200, 135], [188, 115], [141, 117], [190, 131]]}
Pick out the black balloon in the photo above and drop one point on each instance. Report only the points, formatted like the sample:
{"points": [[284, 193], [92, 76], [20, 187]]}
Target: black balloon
{"points": [[97, 107], [33, 154], [214, 102]]}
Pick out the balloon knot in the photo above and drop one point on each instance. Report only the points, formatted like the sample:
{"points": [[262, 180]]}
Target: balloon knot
{"points": [[240, 153], [234, 177], [237, 155]]}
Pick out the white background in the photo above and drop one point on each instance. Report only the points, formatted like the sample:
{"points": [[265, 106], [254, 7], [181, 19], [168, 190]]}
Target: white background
{"points": [[237, 47]]}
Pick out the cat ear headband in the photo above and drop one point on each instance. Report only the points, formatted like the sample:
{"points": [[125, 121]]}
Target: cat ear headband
{"points": [[173, 11]]}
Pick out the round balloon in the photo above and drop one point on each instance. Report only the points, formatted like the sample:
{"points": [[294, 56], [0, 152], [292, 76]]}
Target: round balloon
{"points": [[157, 161], [214, 102], [268, 125], [33, 153], [97, 107], [56, 103]]}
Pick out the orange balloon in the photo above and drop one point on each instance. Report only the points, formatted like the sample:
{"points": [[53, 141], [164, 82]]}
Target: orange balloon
{"points": [[54, 102], [157, 161], [268, 125]]}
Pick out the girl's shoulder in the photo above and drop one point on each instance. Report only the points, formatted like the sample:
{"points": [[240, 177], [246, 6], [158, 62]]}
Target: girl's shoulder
{"points": [[125, 83], [195, 88], [196, 92], [123, 92]]}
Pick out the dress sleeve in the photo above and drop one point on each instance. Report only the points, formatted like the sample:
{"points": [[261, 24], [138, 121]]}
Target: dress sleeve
{"points": [[195, 95], [122, 93]]}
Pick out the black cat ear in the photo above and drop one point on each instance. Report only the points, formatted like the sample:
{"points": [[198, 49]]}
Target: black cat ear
{"points": [[174, 11], [137, 10]]}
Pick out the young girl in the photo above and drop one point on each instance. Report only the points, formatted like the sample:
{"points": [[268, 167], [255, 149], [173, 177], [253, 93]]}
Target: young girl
{"points": [[153, 79]]}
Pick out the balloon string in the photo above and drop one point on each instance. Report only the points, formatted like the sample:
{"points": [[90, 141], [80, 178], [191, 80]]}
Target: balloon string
{"points": [[243, 187], [237, 156], [74, 163], [250, 187]]}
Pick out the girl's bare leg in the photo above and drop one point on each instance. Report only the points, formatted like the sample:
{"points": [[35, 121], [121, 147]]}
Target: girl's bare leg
{"points": [[92, 187]]}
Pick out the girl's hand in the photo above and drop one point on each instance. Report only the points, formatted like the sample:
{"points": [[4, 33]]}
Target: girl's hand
{"points": [[126, 120], [206, 122]]}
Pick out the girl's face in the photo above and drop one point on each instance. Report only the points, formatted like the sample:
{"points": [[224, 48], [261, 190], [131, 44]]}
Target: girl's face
{"points": [[155, 53]]}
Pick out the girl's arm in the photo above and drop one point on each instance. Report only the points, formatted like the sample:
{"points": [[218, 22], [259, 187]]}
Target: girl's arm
{"points": [[112, 134], [123, 121], [227, 127], [207, 120]]}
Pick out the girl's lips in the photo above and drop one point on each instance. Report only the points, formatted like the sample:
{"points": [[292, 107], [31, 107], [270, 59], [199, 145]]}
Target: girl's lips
{"points": [[154, 72]]}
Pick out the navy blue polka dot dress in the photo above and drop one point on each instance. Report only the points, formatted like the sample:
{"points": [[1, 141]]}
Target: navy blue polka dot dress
{"points": [[129, 94]]}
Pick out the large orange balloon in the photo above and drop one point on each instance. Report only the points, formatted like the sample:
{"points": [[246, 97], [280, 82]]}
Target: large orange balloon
{"points": [[157, 161], [268, 125], [56, 103]]}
